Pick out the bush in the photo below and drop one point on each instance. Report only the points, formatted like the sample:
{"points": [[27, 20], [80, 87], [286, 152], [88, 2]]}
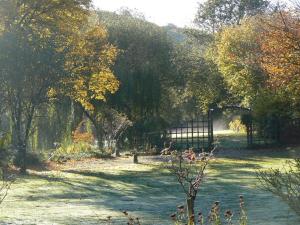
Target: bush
{"points": [[269, 111], [5, 158], [80, 136], [284, 183], [237, 126], [77, 151]]}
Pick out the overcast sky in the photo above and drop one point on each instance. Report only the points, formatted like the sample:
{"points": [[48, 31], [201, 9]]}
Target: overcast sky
{"points": [[161, 12]]}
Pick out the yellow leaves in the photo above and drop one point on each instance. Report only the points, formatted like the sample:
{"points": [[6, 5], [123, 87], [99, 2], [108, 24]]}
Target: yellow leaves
{"points": [[108, 55], [52, 93], [102, 83], [86, 89], [89, 62]]}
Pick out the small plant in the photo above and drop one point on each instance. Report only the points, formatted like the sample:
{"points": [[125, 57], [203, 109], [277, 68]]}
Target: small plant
{"points": [[130, 220], [189, 169], [284, 183], [5, 184], [243, 215], [214, 217]]}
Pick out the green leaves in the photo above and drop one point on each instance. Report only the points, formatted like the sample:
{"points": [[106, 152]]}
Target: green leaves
{"points": [[236, 52], [214, 14]]}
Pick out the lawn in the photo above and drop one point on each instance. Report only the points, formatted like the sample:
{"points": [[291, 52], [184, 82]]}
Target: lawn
{"points": [[89, 191]]}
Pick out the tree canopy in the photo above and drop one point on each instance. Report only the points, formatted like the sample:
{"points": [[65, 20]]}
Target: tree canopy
{"points": [[215, 14]]}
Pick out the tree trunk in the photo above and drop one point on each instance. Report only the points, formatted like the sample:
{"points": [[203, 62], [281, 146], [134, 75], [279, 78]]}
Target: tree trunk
{"points": [[23, 161], [117, 150], [20, 146], [191, 211], [98, 128], [99, 137], [135, 158], [21, 132]]}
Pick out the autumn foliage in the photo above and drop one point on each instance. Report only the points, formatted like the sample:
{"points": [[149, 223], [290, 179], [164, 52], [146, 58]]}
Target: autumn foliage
{"points": [[91, 72], [82, 135], [280, 46]]}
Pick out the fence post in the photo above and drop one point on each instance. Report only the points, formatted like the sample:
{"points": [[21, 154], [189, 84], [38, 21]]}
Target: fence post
{"points": [[211, 128]]}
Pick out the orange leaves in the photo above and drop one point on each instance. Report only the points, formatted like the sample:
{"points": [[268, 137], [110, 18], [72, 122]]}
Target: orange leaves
{"points": [[81, 134], [280, 45]]}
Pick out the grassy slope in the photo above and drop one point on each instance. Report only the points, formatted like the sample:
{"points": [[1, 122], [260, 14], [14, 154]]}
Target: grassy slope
{"points": [[89, 192]]}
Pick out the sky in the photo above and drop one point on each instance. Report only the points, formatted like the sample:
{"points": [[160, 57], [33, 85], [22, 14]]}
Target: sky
{"points": [[161, 12]]}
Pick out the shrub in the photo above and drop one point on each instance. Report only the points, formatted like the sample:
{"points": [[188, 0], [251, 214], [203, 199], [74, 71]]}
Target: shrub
{"points": [[77, 151], [5, 183], [270, 110], [82, 135], [5, 179], [237, 126], [189, 169], [284, 183]]}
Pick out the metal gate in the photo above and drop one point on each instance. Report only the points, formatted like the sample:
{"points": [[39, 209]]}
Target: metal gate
{"points": [[196, 133]]}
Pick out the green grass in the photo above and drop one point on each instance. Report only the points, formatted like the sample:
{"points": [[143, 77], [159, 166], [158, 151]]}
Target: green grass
{"points": [[228, 139], [88, 192]]}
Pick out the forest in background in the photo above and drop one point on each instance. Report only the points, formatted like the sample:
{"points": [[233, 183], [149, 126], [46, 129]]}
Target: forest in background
{"points": [[72, 77]]}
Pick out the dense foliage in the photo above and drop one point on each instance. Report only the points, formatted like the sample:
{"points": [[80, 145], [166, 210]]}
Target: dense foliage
{"points": [[114, 80], [76, 82]]}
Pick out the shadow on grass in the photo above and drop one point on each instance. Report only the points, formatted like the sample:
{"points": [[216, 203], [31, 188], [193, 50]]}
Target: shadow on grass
{"points": [[154, 192]]}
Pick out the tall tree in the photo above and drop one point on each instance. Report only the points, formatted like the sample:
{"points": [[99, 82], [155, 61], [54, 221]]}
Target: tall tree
{"points": [[143, 68], [89, 61], [202, 85], [280, 44], [34, 38], [237, 57], [214, 14]]}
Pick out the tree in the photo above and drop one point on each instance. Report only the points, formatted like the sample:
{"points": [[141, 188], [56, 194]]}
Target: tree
{"points": [[237, 57], [202, 85], [89, 62], [189, 169], [215, 14], [280, 46], [144, 70], [35, 36]]}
